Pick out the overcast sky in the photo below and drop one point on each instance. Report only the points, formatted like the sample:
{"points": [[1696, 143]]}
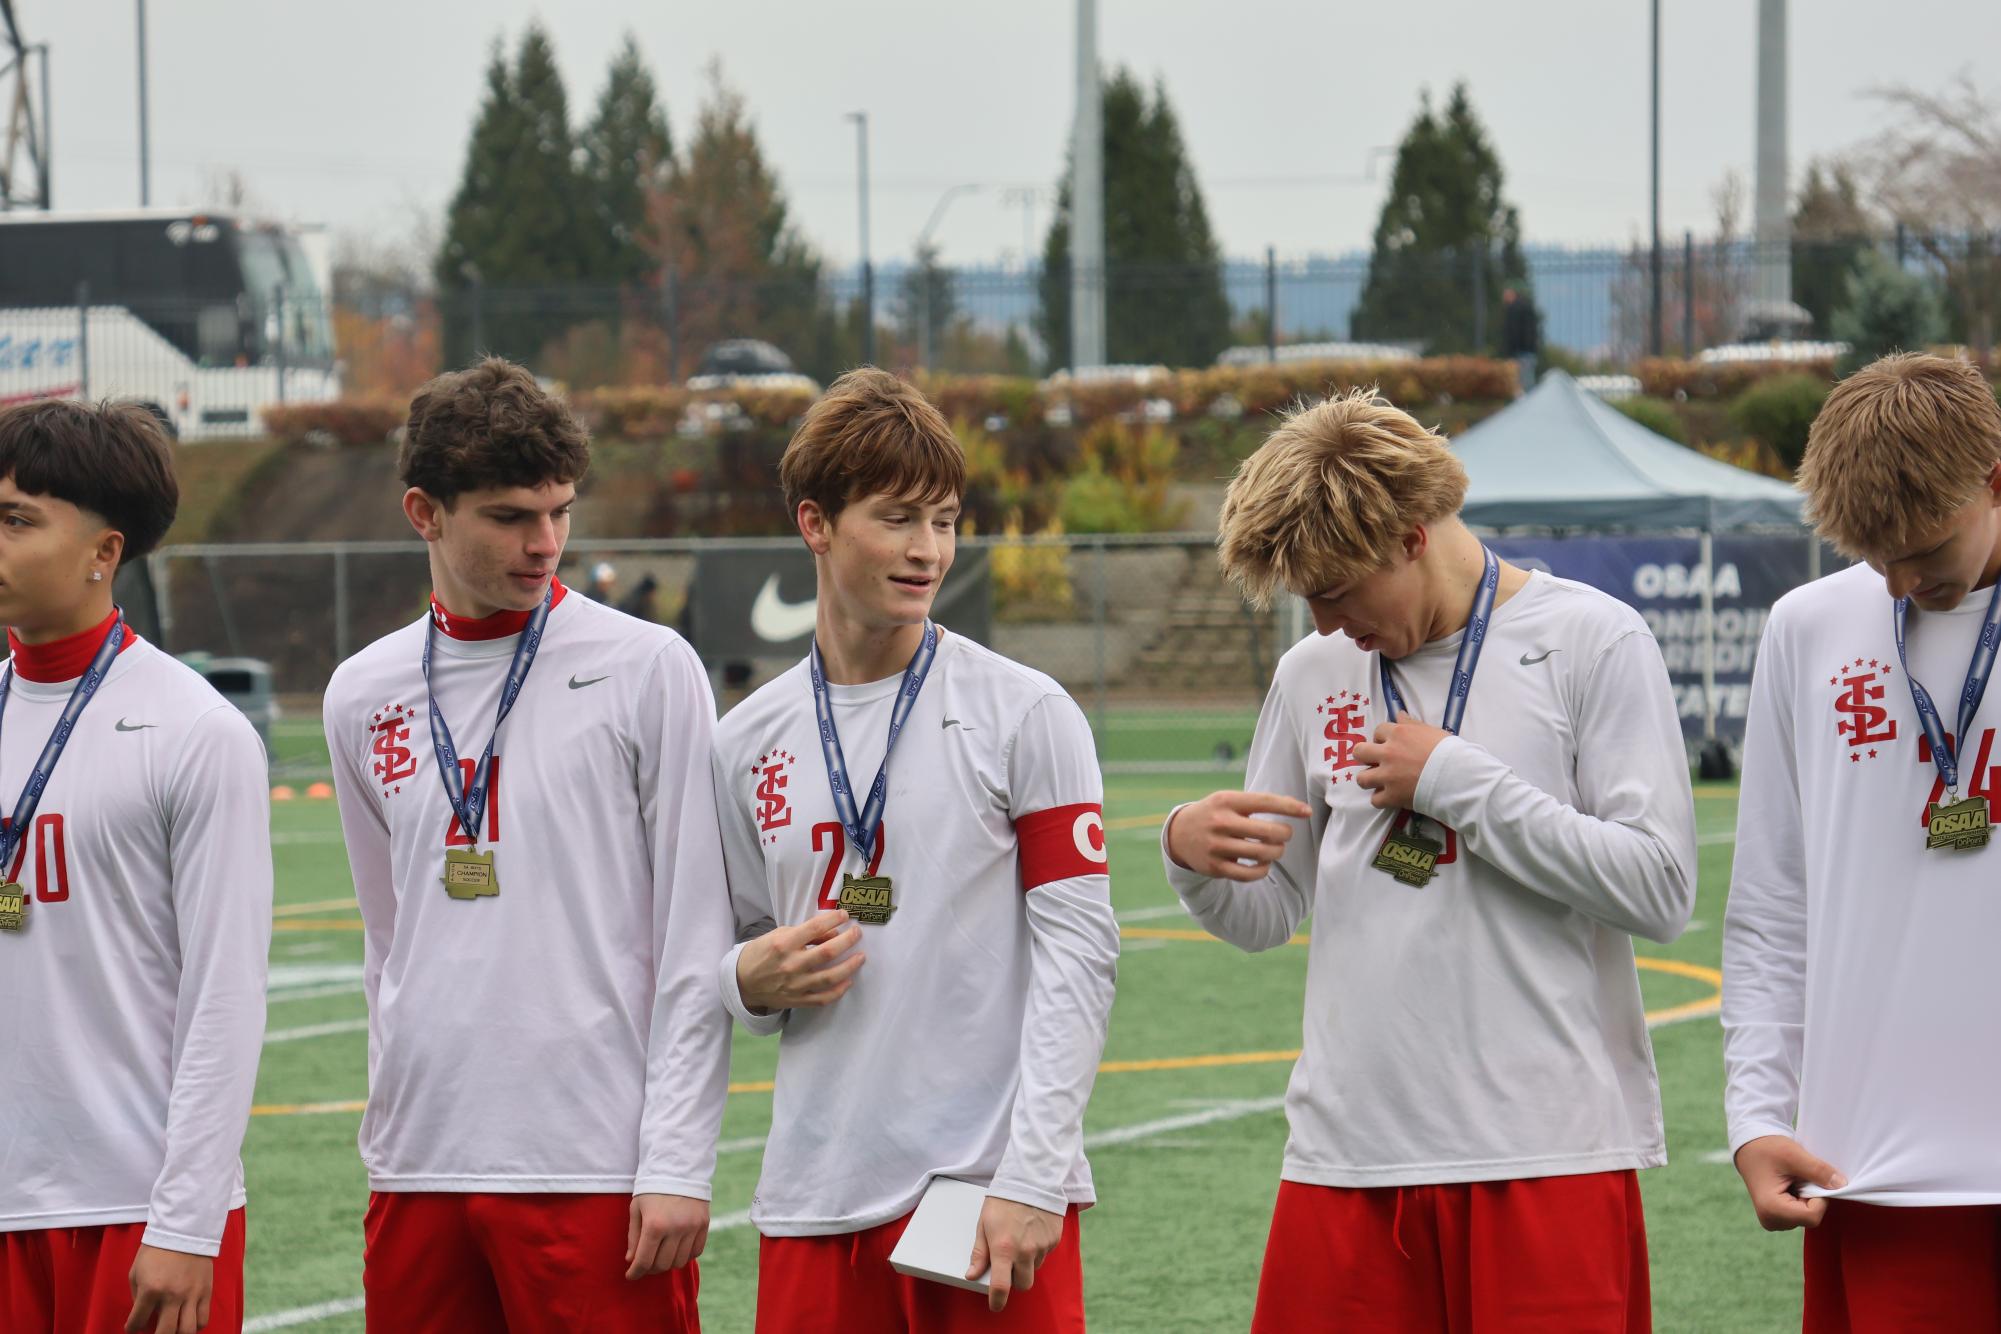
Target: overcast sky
{"points": [[355, 115]]}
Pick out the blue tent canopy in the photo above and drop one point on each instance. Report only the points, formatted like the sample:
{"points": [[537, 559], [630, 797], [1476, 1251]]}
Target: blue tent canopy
{"points": [[1560, 458]]}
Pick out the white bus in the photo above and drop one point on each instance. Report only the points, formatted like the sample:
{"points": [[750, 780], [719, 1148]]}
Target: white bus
{"points": [[207, 318]]}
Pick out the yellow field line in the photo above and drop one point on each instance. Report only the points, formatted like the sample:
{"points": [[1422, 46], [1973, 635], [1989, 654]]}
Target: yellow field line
{"points": [[1214, 1060]]}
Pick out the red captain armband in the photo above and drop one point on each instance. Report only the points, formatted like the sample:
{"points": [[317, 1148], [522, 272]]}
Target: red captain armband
{"points": [[1061, 843]]}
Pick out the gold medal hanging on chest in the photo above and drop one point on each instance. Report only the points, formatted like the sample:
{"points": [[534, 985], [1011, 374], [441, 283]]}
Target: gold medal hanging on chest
{"points": [[469, 874], [868, 899], [1409, 856], [1960, 826], [13, 907]]}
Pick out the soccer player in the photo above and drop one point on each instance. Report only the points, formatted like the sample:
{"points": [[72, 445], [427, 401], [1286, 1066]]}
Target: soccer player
{"points": [[1861, 1007], [135, 908], [1483, 796], [524, 786], [917, 856]]}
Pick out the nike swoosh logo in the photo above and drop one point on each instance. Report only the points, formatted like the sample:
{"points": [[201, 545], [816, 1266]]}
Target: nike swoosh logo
{"points": [[1527, 661], [954, 722], [777, 621], [124, 726], [575, 684]]}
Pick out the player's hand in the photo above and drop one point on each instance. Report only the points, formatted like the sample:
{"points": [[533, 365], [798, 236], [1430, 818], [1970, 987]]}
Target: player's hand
{"points": [[1396, 760], [1217, 835], [1774, 1167], [666, 1232], [1014, 1239], [813, 963], [170, 1292]]}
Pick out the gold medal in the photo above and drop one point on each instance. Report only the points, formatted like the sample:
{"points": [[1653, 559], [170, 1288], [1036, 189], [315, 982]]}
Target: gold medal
{"points": [[1409, 856], [469, 873], [868, 898], [1959, 825], [13, 907]]}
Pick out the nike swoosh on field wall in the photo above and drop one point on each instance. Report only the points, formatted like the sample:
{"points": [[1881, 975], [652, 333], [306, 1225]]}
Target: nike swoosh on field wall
{"points": [[777, 621]]}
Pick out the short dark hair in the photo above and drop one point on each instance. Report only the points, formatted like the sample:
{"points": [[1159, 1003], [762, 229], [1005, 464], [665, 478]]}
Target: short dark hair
{"points": [[489, 425], [871, 434], [109, 458]]}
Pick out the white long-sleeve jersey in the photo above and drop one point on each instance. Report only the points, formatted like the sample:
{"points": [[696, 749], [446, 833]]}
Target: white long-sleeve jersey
{"points": [[969, 1041], [135, 996], [1859, 993], [562, 1035], [1489, 1025]]}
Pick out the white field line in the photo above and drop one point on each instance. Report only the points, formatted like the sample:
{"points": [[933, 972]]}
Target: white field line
{"points": [[1719, 836], [1153, 913], [1230, 1111], [315, 1031]]}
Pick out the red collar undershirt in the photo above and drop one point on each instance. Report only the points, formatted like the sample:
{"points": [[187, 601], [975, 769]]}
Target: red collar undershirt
{"points": [[497, 626], [64, 659]]}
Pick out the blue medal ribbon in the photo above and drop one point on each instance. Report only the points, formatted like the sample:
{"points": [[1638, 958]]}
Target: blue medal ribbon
{"points": [[1469, 652], [469, 803], [1977, 671], [865, 824], [45, 766]]}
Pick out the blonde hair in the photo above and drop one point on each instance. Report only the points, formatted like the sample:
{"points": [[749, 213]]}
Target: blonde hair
{"points": [[871, 434], [1897, 447], [1330, 495]]}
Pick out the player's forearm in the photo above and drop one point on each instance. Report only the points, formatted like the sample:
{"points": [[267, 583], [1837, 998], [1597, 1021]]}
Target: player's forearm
{"points": [[219, 1032], [1255, 916], [1072, 973], [1635, 875]]}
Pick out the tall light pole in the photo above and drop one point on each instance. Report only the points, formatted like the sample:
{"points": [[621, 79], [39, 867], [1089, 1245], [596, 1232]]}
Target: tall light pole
{"points": [[1774, 226], [1654, 260], [145, 150], [860, 118], [1087, 202], [924, 335]]}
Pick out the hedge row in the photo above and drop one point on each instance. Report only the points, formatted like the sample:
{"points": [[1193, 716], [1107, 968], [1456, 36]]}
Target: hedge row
{"points": [[653, 411]]}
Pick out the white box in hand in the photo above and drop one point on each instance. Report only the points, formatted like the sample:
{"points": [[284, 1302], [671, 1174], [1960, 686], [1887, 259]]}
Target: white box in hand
{"points": [[938, 1243]]}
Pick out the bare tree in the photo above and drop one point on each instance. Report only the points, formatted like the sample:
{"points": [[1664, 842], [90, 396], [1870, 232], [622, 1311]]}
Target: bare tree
{"points": [[1936, 169]]}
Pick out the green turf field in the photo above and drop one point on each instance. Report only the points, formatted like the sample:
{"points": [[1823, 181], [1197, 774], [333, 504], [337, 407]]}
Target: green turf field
{"points": [[1185, 1129]]}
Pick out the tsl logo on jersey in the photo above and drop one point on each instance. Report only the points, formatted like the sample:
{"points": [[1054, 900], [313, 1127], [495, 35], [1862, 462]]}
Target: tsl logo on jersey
{"points": [[395, 763], [1862, 720], [1345, 729], [774, 808]]}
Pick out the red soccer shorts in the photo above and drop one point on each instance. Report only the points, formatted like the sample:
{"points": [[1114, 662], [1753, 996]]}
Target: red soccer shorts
{"points": [[1870, 1268], [447, 1263], [1554, 1255], [78, 1279], [843, 1284]]}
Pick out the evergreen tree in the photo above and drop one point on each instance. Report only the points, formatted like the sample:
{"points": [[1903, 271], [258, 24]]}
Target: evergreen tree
{"points": [[1164, 299], [1830, 231], [1886, 310], [627, 156], [517, 219], [740, 268], [1446, 240]]}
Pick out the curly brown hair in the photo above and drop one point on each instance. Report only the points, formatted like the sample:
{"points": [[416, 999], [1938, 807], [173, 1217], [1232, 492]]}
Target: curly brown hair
{"points": [[490, 425]]}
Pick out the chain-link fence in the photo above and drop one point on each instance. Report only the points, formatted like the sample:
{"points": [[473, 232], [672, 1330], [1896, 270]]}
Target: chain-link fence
{"points": [[1167, 662]]}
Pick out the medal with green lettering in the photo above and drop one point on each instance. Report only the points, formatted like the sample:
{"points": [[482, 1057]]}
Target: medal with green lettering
{"points": [[1953, 825], [1406, 853], [1409, 855], [869, 899], [469, 873]]}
